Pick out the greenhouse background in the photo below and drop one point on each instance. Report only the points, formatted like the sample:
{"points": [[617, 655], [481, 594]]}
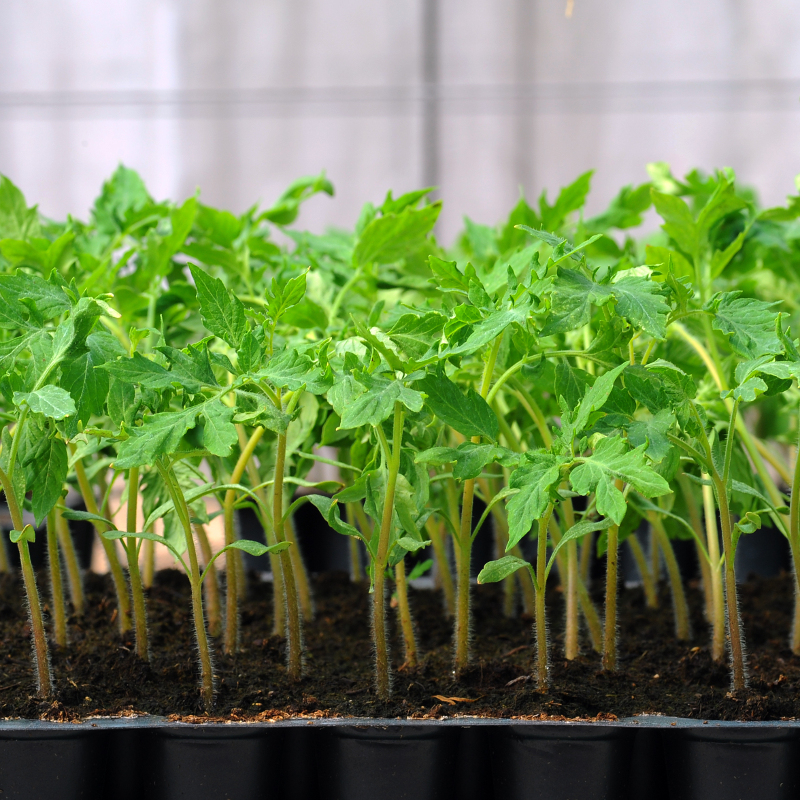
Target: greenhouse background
{"points": [[479, 98]]}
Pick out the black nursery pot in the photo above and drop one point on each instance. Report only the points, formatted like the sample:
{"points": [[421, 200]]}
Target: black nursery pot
{"points": [[561, 762], [390, 762], [57, 762], [209, 762], [730, 761]]}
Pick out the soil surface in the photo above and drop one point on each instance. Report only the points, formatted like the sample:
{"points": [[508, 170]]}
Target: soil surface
{"points": [[98, 674]]}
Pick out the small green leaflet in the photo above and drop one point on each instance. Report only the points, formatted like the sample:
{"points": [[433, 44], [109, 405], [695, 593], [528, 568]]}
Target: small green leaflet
{"points": [[468, 413], [219, 432], [535, 479], [653, 434], [87, 386], [496, 571], [46, 469], [596, 396], [223, 314], [52, 401], [418, 336], [289, 369], [377, 403], [142, 371], [392, 237]]}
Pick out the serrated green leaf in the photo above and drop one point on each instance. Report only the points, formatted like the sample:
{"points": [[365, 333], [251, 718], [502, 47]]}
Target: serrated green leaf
{"points": [[640, 301], [222, 313], [219, 432], [749, 322], [377, 403], [161, 434], [571, 301], [469, 413], [46, 475], [535, 479], [389, 238], [52, 401]]}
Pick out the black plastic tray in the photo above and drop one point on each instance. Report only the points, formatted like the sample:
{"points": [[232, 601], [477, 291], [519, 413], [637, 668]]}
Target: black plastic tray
{"points": [[352, 759]]}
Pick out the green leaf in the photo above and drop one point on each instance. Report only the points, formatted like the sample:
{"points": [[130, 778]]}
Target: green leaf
{"points": [[652, 433], [330, 510], [86, 516], [496, 571], [46, 475], [52, 401], [161, 434], [394, 236], [219, 432], [595, 398], [641, 302], [610, 461], [679, 223], [142, 371], [27, 534], [469, 413], [488, 329], [256, 548], [418, 336], [535, 479], [447, 276], [250, 353], [87, 386], [17, 221], [377, 403], [222, 313], [290, 369], [750, 323], [571, 302]]}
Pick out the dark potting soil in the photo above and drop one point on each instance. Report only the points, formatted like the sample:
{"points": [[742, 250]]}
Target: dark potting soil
{"points": [[98, 674]]}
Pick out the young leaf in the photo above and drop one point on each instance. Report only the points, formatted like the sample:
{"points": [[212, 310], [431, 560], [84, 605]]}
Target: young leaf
{"points": [[496, 571], [223, 314], [161, 434], [750, 323], [377, 403], [572, 300], [535, 480], [610, 461], [469, 413], [219, 432], [52, 401], [47, 473]]}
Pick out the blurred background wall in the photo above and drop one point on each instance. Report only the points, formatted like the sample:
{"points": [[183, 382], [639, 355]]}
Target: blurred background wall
{"points": [[480, 97]]}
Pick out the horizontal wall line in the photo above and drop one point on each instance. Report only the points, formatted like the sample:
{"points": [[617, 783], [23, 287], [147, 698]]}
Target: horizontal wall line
{"points": [[634, 97]]}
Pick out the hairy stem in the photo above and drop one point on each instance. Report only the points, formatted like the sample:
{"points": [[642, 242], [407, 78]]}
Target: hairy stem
{"points": [[794, 545], [610, 627], [379, 567], [117, 576], [56, 583], [697, 525], [195, 579], [735, 635], [293, 619], [41, 653], [712, 539], [149, 571], [231, 642], [541, 590], [464, 547], [404, 611], [132, 550]]}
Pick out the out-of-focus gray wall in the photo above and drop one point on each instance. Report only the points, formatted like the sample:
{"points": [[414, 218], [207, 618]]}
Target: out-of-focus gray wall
{"points": [[240, 97]]}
